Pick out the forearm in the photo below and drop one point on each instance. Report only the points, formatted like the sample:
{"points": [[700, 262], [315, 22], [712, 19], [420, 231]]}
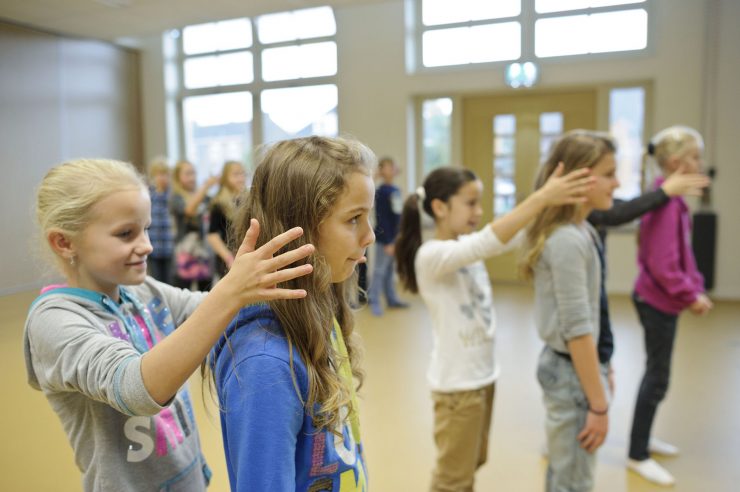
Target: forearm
{"points": [[626, 211], [586, 364], [167, 366], [507, 226], [215, 241], [191, 205]]}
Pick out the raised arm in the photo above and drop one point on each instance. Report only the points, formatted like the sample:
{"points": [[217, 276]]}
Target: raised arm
{"points": [[558, 190], [253, 278]]}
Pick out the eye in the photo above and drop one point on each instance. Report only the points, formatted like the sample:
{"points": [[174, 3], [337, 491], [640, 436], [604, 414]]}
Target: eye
{"points": [[124, 234], [354, 220]]}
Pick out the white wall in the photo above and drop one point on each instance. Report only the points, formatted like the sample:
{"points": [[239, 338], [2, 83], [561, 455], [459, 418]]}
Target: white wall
{"points": [[60, 98], [375, 94]]}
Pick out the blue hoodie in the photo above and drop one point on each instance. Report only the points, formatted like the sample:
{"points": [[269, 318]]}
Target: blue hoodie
{"points": [[269, 439]]}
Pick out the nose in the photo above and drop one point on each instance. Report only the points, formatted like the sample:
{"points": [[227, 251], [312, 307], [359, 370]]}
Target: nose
{"points": [[144, 247], [368, 236]]}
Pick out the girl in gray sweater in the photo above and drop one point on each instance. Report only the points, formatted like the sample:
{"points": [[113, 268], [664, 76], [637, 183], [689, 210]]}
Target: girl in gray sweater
{"points": [[103, 347]]}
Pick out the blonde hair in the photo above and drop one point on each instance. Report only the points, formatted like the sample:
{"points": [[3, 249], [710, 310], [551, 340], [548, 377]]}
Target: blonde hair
{"points": [[673, 141], [576, 149], [313, 173], [69, 191], [226, 195], [176, 183], [157, 166]]}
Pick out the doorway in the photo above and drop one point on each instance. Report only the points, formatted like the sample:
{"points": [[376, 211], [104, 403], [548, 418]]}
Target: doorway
{"points": [[506, 138]]}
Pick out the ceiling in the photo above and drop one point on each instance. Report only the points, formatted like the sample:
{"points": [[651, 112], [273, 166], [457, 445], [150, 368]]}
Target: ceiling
{"points": [[122, 21]]}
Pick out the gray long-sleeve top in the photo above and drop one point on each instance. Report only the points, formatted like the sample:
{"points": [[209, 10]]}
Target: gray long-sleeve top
{"points": [[80, 356], [567, 281]]}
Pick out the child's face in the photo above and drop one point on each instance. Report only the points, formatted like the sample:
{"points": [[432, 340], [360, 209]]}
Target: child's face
{"points": [[161, 180], [346, 232], [599, 196], [187, 177], [692, 160], [236, 178], [113, 248], [388, 171], [463, 211]]}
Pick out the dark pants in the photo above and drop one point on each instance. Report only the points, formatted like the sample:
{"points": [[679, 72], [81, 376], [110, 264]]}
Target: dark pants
{"points": [[160, 268], [660, 333]]}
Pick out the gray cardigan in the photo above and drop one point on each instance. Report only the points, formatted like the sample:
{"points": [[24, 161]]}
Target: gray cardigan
{"points": [[567, 281]]}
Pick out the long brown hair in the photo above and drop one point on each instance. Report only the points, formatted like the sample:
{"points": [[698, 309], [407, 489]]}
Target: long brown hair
{"points": [[441, 184], [226, 195], [576, 149], [296, 183]]}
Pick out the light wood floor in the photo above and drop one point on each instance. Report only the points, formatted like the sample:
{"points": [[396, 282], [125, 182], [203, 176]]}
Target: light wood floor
{"points": [[701, 413]]}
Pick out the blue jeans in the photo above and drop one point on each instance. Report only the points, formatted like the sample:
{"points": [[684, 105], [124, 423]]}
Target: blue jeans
{"points": [[571, 468], [383, 278], [660, 333]]}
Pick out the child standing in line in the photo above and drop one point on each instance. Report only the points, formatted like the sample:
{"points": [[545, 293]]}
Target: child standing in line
{"points": [[388, 205], [449, 273], [284, 373], [161, 231], [667, 284], [104, 349], [561, 254], [223, 207], [189, 207]]}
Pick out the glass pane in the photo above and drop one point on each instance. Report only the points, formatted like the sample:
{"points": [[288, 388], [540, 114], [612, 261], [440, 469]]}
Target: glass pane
{"points": [[504, 124], [299, 112], [297, 62], [436, 130], [503, 146], [551, 123], [597, 33], [626, 124], [298, 24], [504, 167], [544, 6], [213, 71], [217, 128], [478, 44], [217, 36], [436, 12]]}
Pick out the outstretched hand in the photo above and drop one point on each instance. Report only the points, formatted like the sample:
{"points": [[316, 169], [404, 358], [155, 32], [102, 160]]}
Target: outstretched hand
{"points": [[683, 183], [255, 274], [568, 189]]}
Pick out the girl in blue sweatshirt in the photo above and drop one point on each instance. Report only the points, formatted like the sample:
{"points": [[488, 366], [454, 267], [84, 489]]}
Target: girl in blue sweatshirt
{"points": [[285, 373]]}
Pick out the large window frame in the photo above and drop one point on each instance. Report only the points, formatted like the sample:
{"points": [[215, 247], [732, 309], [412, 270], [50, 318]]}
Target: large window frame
{"points": [[527, 19], [254, 88]]}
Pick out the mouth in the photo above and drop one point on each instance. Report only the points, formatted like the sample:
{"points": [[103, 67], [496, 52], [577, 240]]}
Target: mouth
{"points": [[137, 264]]}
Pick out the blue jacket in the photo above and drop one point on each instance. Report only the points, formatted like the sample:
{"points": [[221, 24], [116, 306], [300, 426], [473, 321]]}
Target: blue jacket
{"points": [[269, 439], [388, 205]]}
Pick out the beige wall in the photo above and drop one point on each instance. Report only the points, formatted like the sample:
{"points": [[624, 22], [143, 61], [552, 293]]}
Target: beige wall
{"points": [[60, 98]]}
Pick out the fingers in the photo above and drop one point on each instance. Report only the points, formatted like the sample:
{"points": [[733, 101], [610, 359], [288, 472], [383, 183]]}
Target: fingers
{"points": [[558, 170], [272, 294], [289, 257], [286, 274], [273, 245], [590, 439], [250, 238]]}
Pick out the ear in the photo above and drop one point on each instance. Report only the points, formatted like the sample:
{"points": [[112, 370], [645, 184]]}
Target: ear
{"points": [[439, 208], [61, 244]]}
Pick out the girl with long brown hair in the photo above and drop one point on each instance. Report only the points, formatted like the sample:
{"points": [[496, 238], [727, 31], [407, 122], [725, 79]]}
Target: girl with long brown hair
{"points": [[286, 375], [561, 254]]}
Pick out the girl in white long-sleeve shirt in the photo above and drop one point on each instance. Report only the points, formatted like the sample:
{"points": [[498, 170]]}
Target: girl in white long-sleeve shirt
{"points": [[449, 273]]}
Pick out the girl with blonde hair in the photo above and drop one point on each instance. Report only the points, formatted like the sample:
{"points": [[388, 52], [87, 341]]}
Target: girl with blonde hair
{"points": [[561, 254], [112, 350], [223, 208], [286, 374], [668, 283]]}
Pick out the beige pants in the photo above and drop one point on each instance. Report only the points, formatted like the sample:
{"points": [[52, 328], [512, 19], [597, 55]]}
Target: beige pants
{"points": [[461, 424]]}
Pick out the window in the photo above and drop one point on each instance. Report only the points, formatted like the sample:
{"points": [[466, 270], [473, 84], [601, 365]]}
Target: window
{"points": [[250, 81], [485, 31], [436, 133], [504, 154], [626, 124]]}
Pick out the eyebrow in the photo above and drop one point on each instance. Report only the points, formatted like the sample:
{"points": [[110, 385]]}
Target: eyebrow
{"points": [[357, 209]]}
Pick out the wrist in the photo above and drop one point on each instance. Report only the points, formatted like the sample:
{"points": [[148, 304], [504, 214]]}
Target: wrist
{"points": [[599, 410]]}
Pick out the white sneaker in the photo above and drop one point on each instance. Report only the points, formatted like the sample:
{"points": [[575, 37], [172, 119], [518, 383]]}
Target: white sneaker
{"points": [[661, 447], [651, 471]]}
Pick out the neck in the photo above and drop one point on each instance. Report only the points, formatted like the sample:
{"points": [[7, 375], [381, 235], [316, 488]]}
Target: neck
{"points": [[79, 282], [444, 233], [582, 213]]}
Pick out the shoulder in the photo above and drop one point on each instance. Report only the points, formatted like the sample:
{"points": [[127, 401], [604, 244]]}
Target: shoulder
{"points": [[569, 237]]}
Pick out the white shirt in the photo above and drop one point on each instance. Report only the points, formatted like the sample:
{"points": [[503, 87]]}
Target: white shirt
{"points": [[454, 283]]}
